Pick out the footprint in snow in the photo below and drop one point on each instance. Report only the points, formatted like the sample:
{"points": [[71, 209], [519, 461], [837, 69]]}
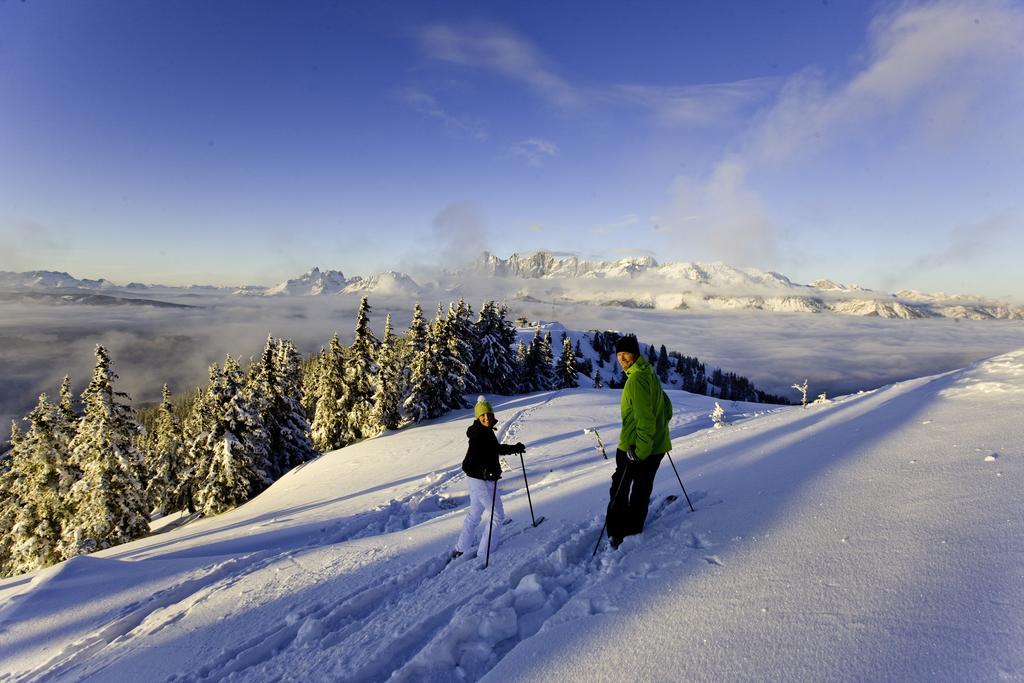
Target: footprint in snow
{"points": [[713, 560], [992, 457]]}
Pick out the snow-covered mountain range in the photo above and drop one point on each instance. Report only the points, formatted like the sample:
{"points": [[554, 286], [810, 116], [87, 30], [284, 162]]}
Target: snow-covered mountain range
{"points": [[641, 282], [636, 282]]}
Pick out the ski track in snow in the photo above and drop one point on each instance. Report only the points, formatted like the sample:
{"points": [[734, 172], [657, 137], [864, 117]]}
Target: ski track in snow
{"points": [[434, 620]]}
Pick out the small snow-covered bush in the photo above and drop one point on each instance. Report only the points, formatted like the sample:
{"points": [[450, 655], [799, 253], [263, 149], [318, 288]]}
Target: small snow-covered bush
{"points": [[718, 416]]}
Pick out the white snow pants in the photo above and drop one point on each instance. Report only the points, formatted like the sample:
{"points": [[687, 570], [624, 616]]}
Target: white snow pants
{"points": [[480, 493]]}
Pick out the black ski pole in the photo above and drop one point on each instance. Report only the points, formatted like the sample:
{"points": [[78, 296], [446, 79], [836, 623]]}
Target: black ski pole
{"points": [[610, 503], [680, 482], [528, 499], [490, 530]]}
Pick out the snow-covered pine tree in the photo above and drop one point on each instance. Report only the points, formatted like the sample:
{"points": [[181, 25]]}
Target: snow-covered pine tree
{"points": [[66, 415], [261, 392], [197, 427], [8, 503], [450, 360], [494, 364], [292, 437], [460, 328], [237, 445], [565, 372], [165, 456], [310, 368], [386, 398], [108, 504], [361, 376], [540, 370], [598, 380], [718, 416], [328, 430], [524, 382], [40, 485], [421, 402]]}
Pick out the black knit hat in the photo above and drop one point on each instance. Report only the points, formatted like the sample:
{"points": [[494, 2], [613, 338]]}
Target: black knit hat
{"points": [[628, 344]]}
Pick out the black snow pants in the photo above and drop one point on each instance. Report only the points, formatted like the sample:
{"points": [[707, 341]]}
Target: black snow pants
{"points": [[628, 511]]}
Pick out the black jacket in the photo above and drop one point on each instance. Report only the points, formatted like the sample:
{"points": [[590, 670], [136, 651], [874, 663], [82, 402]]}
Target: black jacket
{"points": [[481, 461]]}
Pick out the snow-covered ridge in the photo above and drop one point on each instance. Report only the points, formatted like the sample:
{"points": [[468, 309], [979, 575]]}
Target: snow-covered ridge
{"points": [[644, 283], [313, 283]]}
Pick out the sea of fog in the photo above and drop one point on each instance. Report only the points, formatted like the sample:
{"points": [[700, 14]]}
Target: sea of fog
{"points": [[40, 343]]}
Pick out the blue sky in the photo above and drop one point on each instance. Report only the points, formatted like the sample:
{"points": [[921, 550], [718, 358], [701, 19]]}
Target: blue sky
{"points": [[245, 142]]}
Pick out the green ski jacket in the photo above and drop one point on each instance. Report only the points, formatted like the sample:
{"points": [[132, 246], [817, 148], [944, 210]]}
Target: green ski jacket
{"points": [[646, 410]]}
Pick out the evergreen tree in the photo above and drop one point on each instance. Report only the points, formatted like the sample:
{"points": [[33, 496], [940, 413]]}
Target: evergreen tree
{"points": [[197, 428], [8, 503], [41, 482], [464, 346], [662, 367], [423, 400], [598, 380], [237, 446], [386, 398], [494, 363], [328, 430], [290, 421], [310, 382], [565, 372], [165, 456], [524, 381], [109, 501], [361, 377], [652, 356], [449, 364], [540, 370]]}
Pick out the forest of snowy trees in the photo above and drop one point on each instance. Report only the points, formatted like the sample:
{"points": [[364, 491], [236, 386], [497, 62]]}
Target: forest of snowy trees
{"points": [[80, 478]]}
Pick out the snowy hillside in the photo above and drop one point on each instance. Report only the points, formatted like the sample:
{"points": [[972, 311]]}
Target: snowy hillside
{"points": [[875, 537]]}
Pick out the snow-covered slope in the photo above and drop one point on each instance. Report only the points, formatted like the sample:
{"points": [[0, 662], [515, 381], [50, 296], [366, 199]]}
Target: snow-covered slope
{"points": [[875, 537]]}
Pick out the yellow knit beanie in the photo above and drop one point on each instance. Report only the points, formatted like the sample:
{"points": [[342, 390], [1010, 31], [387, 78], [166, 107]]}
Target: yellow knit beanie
{"points": [[482, 407]]}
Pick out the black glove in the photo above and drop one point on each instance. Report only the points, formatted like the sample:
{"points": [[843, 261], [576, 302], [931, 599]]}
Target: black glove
{"points": [[631, 455], [492, 476], [520, 448]]}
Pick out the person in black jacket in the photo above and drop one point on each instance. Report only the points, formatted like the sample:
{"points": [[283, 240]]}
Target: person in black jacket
{"points": [[483, 470]]}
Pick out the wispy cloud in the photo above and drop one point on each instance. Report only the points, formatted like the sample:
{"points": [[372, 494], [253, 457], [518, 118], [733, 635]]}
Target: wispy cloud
{"points": [[917, 61], [495, 48], [534, 150], [425, 103], [625, 222], [705, 104]]}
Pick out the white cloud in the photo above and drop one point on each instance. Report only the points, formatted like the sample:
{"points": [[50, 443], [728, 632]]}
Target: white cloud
{"points": [[626, 221], [492, 47], [928, 70], [534, 150], [497, 49], [427, 104], [705, 104]]}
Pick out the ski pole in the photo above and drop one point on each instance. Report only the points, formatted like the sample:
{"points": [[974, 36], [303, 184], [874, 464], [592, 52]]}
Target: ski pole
{"points": [[588, 430], [680, 482], [610, 503], [528, 499], [490, 530]]}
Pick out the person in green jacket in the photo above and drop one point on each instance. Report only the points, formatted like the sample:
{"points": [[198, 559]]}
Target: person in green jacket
{"points": [[643, 442]]}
